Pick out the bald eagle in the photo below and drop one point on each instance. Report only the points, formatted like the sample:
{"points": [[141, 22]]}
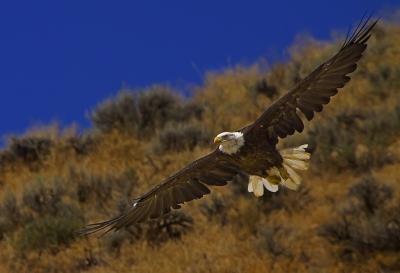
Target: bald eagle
{"points": [[251, 151]]}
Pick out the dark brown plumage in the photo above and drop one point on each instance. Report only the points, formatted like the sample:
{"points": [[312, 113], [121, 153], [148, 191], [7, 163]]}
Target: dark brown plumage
{"points": [[310, 94], [258, 153]]}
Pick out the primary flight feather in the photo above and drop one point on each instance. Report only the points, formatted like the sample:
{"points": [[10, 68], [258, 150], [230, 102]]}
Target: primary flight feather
{"points": [[251, 151]]}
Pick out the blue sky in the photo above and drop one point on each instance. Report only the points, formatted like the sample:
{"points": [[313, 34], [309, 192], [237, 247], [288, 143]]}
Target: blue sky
{"points": [[58, 59]]}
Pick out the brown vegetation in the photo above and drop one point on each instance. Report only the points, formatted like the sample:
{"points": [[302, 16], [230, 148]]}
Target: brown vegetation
{"points": [[345, 218]]}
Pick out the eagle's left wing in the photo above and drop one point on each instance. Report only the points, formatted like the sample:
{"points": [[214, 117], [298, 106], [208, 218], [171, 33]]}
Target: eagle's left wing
{"points": [[214, 169], [309, 95]]}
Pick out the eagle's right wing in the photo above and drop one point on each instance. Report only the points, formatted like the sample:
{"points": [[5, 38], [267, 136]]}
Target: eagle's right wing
{"points": [[214, 169], [310, 94]]}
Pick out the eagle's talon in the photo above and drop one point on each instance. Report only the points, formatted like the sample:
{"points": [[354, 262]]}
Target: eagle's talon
{"points": [[274, 179], [283, 172]]}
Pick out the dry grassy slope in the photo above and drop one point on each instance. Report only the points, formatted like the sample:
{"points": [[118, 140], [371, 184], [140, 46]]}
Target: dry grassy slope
{"points": [[232, 231]]}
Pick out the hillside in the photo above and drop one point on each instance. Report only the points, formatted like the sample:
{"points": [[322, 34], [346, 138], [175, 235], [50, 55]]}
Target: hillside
{"points": [[345, 217]]}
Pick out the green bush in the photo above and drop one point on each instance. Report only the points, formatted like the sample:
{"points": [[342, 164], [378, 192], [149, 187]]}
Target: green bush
{"points": [[171, 226], [9, 207], [216, 208], [354, 140], [42, 198], [82, 144], [143, 113], [366, 223], [10, 215], [49, 232], [30, 150], [50, 222], [273, 239], [88, 261], [285, 199], [120, 114], [99, 189], [265, 88], [157, 107], [182, 137], [6, 160], [114, 240], [370, 194], [160, 106]]}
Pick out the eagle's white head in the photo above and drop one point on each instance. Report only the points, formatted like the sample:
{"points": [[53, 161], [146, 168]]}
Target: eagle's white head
{"points": [[229, 142]]}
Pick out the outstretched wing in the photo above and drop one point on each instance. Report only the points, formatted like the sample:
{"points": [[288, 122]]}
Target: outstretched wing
{"points": [[214, 169], [309, 95]]}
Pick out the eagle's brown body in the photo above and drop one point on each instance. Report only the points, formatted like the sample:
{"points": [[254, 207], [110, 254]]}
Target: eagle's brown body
{"points": [[257, 159]]}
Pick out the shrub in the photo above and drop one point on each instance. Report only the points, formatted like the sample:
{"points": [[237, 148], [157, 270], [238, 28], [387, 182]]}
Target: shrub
{"points": [[273, 239], [44, 221], [171, 226], [51, 223], [6, 160], [181, 137], [355, 140], [5, 226], [114, 241], [83, 190], [371, 194], [9, 207], [216, 208], [334, 133], [158, 106], [31, 150], [142, 114], [120, 114], [88, 261], [100, 188], [82, 144], [366, 223], [49, 232], [88, 187], [10, 215], [285, 199], [358, 232], [266, 89], [239, 184], [190, 110], [43, 199]]}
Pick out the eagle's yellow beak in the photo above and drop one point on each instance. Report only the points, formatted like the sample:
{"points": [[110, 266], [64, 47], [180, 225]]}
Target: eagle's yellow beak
{"points": [[218, 140]]}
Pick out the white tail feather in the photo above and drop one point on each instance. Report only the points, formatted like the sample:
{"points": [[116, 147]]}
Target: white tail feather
{"points": [[292, 174], [295, 159], [290, 184], [269, 186], [256, 185]]}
